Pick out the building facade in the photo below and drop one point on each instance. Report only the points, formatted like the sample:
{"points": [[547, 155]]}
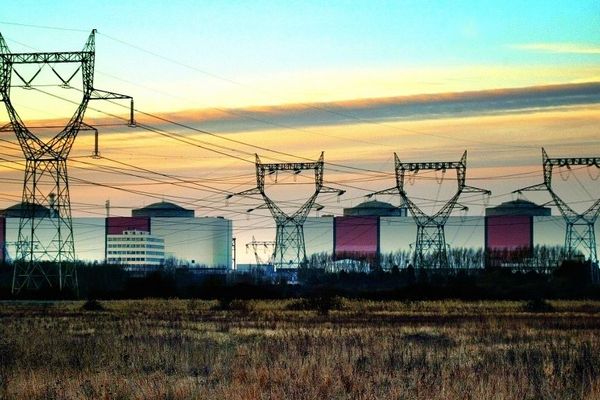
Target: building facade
{"points": [[189, 241], [509, 232], [514, 229], [135, 249]]}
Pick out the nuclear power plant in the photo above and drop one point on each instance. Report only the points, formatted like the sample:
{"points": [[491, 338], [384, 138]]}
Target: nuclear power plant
{"points": [[156, 235], [43, 241], [506, 235], [165, 234]]}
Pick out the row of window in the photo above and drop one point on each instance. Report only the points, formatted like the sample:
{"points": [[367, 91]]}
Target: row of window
{"points": [[152, 253], [140, 239], [129, 259], [127, 246]]}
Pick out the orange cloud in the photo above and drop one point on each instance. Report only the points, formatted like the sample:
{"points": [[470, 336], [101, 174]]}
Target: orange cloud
{"points": [[499, 144]]}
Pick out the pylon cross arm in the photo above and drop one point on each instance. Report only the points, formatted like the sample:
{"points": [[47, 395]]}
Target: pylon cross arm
{"points": [[392, 190], [327, 189], [430, 165], [98, 94], [473, 189], [568, 161], [47, 58], [533, 188], [249, 192]]}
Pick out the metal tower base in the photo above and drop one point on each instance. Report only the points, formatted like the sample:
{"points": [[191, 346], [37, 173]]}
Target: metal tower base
{"points": [[431, 247]]}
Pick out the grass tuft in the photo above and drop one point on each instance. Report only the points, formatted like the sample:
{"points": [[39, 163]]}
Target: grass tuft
{"points": [[538, 306], [92, 305]]}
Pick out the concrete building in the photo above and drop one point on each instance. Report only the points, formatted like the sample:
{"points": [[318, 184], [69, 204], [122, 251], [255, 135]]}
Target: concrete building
{"points": [[15, 211], [518, 207], [375, 208], [357, 235], [364, 232], [162, 209], [509, 231], [512, 225], [135, 249], [189, 241]]}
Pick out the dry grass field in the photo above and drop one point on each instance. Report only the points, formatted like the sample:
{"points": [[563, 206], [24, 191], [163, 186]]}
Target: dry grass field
{"points": [[191, 349]]}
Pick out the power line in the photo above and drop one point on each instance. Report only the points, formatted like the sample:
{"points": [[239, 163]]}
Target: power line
{"points": [[57, 28], [254, 146], [307, 105], [238, 83], [249, 144], [224, 138]]}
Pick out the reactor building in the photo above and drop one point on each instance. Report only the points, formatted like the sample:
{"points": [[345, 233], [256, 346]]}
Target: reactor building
{"points": [[166, 234], [160, 234], [507, 233]]}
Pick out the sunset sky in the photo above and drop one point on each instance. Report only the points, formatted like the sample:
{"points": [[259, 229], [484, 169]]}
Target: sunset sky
{"points": [[287, 80]]}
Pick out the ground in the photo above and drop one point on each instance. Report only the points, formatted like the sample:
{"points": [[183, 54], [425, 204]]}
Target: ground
{"points": [[292, 349]]}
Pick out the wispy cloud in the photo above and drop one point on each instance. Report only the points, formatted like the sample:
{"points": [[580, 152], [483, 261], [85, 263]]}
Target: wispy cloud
{"points": [[375, 110], [559, 48], [401, 108]]}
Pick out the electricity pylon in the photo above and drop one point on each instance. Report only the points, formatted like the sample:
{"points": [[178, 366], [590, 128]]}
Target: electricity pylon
{"points": [[266, 245], [289, 251], [48, 259], [579, 234], [431, 240]]}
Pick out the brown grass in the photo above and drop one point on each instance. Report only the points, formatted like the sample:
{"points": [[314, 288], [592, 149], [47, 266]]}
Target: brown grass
{"points": [[191, 349]]}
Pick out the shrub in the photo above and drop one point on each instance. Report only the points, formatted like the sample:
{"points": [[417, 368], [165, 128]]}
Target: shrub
{"points": [[538, 305], [230, 304], [321, 304], [92, 305]]}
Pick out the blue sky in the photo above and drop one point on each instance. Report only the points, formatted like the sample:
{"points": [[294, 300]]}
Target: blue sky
{"points": [[248, 37]]}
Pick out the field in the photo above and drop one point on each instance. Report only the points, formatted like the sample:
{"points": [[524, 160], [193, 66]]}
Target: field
{"points": [[351, 349]]}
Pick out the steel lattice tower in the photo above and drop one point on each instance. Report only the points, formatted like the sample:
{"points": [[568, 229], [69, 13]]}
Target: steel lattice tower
{"points": [[580, 233], [289, 251], [255, 244], [430, 246], [42, 259]]}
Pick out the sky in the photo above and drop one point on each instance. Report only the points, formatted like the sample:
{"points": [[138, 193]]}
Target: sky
{"points": [[287, 80]]}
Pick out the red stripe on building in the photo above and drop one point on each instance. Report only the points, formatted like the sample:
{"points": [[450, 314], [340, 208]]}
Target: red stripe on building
{"points": [[356, 238], [118, 225]]}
